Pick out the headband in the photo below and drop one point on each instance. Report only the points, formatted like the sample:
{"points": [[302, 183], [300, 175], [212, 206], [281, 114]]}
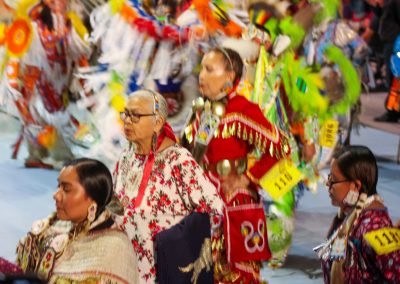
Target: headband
{"points": [[226, 55], [155, 100]]}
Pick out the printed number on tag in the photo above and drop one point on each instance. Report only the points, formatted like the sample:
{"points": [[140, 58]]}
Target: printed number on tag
{"points": [[384, 241], [281, 178], [328, 133]]}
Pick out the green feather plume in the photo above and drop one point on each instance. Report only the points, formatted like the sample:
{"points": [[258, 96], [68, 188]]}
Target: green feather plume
{"points": [[328, 11], [303, 86], [351, 81], [290, 28]]}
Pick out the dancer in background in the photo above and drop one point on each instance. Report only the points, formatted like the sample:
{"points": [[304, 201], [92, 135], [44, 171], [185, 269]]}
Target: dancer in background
{"points": [[224, 128], [44, 45]]}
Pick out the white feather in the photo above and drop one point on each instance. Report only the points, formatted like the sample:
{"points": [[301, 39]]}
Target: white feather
{"points": [[247, 49]]}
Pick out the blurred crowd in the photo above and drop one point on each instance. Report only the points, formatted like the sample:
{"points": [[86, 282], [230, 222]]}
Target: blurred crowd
{"points": [[378, 23]]}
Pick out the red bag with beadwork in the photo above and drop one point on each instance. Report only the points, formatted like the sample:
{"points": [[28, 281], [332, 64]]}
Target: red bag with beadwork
{"points": [[245, 231]]}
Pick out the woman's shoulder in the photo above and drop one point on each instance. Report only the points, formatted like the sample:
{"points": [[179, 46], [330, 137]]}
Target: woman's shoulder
{"points": [[127, 150], [50, 226], [110, 240], [96, 252], [240, 103], [373, 219], [240, 109], [110, 235], [175, 152], [375, 214]]}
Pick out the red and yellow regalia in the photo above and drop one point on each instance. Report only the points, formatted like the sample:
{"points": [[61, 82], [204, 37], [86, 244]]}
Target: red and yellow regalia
{"points": [[221, 135]]}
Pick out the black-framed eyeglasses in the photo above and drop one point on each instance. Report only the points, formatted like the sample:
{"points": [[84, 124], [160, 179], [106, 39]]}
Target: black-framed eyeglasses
{"points": [[330, 182], [134, 117]]}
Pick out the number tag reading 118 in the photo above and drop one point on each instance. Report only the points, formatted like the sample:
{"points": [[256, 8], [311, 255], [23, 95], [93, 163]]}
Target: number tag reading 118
{"points": [[281, 178], [384, 241]]}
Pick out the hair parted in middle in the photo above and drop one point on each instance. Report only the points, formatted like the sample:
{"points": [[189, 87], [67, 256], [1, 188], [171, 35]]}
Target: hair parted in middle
{"points": [[158, 103]]}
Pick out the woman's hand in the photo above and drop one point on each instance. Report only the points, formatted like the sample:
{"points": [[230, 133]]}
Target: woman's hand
{"points": [[308, 152]]}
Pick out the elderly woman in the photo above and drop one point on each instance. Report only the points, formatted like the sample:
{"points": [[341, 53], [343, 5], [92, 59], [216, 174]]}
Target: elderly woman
{"points": [[65, 247], [222, 132], [362, 245], [157, 181]]}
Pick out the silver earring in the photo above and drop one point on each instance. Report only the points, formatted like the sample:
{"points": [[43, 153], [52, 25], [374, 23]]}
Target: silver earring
{"points": [[154, 142]]}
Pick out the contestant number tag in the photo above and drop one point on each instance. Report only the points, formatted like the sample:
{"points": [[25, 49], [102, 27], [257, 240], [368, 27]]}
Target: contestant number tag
{"points": [[384, 241], [328, 133], [281, 178]]}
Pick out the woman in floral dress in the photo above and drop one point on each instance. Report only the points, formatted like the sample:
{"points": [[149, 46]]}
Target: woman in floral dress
{"points": [[156, 180], [362, 246]]}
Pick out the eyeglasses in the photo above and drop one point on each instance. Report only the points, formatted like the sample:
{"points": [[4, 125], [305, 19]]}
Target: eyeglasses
{"points": [[330, 182], [134, 117]]}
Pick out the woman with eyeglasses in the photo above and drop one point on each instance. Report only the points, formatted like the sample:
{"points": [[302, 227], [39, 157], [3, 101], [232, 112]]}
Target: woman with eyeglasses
{"points": [[224, 128], [157, 181], [362, 246]]}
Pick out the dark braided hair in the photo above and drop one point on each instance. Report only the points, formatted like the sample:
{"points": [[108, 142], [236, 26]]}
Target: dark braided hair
{"points": [[357, 162], [96, 179]]}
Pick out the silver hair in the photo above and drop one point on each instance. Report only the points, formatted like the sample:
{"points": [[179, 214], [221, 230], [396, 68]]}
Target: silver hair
{"points": [[156, 100]]}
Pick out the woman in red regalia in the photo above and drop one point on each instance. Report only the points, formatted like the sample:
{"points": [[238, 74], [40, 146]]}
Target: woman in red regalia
{"points": [[224, 128]]}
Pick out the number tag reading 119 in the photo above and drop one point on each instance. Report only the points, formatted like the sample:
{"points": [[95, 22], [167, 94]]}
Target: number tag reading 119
{"points": [[281, 178], [384, 241]]}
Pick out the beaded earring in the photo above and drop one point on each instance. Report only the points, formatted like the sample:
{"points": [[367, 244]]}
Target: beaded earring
{"points": [[92, 212], [227, 88]]}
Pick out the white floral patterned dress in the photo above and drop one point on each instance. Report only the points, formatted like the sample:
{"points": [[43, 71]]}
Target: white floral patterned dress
{"points": [[177, 186]]}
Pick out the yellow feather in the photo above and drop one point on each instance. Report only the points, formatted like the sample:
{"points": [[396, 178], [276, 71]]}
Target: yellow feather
{"points": [[78, 24], [24, 6]]}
